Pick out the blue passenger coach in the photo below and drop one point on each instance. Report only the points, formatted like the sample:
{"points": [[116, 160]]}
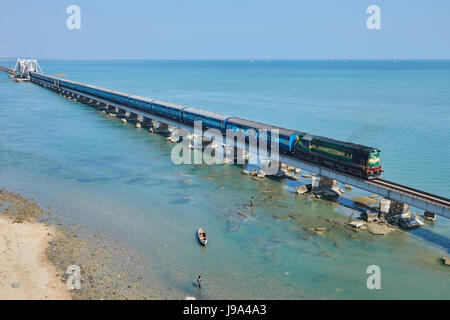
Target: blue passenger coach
{"points": [[286, 138], [141, 103], [209, 119], [167, 109]]}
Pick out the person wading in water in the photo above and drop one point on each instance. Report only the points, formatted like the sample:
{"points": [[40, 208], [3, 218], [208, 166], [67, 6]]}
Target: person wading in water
{"points": [[199, 281], [251, 201]]}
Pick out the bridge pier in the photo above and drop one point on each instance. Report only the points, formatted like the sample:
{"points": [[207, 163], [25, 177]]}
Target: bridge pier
{"points": [[162, 127], [101, 106], [132, 117], [148, 123], [429, 216], [394, 210]]}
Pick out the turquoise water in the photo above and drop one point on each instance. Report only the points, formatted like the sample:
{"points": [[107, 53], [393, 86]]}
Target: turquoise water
{"points": [[114, 178]]}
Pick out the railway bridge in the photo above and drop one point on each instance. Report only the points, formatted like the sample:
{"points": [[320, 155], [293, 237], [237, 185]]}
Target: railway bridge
{"points": [[390, 190]]}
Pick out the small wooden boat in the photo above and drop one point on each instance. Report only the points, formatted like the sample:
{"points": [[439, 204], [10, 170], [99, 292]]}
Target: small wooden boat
{"points": [[201, 234]]}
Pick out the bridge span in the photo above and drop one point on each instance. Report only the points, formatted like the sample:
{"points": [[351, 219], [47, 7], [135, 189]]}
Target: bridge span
{"points": [[420, 199]]}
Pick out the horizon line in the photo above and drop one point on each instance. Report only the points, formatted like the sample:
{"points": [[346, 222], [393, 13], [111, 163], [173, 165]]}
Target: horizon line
{"points": [[230, 59]]}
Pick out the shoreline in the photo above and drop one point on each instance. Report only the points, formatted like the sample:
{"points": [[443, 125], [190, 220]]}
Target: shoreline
{"points": [[35, 256]]}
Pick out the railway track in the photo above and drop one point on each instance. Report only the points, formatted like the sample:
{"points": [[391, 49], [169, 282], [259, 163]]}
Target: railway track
{"points": [[6, 70], [411, 191]]}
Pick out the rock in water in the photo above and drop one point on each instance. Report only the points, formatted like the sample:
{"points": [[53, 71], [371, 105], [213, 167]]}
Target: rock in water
{"points": [[446, 261], [356, 224], [301, 189], [379, 229]]}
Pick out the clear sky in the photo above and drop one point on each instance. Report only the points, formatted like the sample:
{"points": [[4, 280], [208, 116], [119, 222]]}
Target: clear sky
{"points": [[226, 29]]}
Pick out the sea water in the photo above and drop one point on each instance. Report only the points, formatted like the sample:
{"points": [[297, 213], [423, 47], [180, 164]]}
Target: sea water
{"points": [[116, 179]]}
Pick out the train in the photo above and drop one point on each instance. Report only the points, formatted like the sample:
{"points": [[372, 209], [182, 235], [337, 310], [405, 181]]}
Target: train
{"points": [[346, 157]]}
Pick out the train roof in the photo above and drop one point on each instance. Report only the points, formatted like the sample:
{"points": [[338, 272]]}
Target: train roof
{"points": [[168, 104], [145, 99], [115, 92], [205, 113], [344, 143], [262, 126]]}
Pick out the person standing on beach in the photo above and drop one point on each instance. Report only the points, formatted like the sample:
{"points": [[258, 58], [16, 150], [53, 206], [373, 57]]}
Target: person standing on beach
{"points": [[199, 280]]}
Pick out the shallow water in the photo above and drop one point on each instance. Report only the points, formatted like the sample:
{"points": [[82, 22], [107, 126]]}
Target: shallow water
{"points": [[109, 176]]}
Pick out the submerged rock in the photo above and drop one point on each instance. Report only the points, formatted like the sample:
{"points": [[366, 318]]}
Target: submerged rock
{"points": [[326, 254], [261, 174], [357, 224], [278, 216], [379, 228], [301, 189], [446, 261]]}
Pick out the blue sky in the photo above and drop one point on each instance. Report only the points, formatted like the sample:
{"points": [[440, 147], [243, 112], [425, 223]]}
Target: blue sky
{"points": [[226, 29]]}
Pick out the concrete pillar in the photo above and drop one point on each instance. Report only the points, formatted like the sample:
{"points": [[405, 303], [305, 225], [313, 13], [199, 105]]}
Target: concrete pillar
{"points": [[314, 182], [132, 117], [148, 123], [327, 183], [385, 205], [162, 127], [121, 113], [398, 208], [429, 216]]}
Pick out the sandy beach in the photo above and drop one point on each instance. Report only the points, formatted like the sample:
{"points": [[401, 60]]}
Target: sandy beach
{"points": [[25, 271]]}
